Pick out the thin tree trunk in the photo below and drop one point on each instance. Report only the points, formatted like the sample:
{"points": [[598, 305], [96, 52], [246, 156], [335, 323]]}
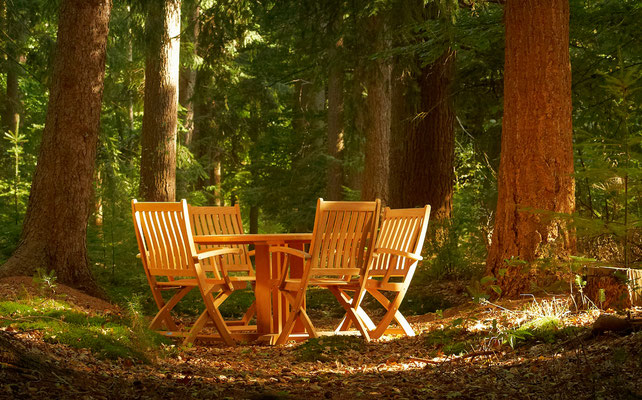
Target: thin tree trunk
{"points": [[216, 180], [335, 125], [158, 139], [377, 115], [188, 78], [536, 167], [130, 61], [254, 219], [15, 57], [54, 235]]}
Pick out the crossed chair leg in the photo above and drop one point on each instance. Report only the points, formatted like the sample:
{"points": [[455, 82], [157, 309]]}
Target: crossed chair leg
{"points": [[355, 314], [211, 314], [297, 312]]}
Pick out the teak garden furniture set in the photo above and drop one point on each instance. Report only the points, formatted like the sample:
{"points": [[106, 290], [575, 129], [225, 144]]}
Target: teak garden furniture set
{"points": [[351, 251]]}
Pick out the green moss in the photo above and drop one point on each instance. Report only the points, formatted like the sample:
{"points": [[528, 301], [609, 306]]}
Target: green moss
{"points": [[106, 335], [328, 348]]}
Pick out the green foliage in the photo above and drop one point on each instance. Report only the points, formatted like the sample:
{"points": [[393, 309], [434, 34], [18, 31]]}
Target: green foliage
{"points": [[419, 301], [108, 336], [451, 341], [328, 348], [544, 330], [45, 282]]}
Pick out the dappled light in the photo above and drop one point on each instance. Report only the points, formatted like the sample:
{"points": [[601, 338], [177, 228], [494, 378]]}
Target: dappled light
{"points": [[296, 199]]}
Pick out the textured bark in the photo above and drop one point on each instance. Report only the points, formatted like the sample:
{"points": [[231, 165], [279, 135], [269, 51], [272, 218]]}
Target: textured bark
{"points": [[158, 139], [354, 173], [404, 107], [423, 170], [254, 219], [188, 78], [55, 228], [536, 167], [335, 125], [378, 108]]}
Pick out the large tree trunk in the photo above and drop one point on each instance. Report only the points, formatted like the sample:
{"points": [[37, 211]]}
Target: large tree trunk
{"points": [[188, 77], [55, 227], [335, 124], [158, 139], [536, 167], [429, 146], [377, 115]]}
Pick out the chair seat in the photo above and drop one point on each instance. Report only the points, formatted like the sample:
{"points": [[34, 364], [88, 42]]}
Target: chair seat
{"points": [[193, 282], [295, 284]]}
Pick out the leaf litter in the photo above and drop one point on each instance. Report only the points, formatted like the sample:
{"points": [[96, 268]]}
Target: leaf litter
{"points": [[461, 353]]}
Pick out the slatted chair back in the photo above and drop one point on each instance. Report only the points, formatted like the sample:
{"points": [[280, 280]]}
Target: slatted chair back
{"points": [[221, 221], [164, 239], [402, 230], [342, 240]]}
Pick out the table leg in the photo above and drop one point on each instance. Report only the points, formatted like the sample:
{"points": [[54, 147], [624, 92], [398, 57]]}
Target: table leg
{"points": [[262, 290], [296, 265]]}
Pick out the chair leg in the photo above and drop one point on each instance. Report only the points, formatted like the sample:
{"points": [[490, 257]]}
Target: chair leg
{"points": [[160, 303], [346, 303], [345, 323], [163, 314], [296, 303], [391, 313], [245, 320], [211, 313], [196, 328]]}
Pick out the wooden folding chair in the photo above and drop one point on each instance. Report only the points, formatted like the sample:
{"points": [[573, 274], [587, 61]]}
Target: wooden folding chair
{"points": [[225, 220], [390, 269], [341, 243], [171, 262]]}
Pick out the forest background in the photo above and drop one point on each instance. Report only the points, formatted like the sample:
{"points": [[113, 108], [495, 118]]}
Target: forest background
{"points": [[278, 106]]}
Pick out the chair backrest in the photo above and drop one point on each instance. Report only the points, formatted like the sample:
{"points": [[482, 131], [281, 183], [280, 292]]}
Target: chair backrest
{"points": [[164, 238], [220, 221], [401, 230], [342, 238]]}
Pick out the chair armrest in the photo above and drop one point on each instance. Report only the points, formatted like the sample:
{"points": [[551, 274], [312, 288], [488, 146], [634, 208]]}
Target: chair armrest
{"points": [[251, 253], [290, 251], [379, 251], [215, 252]]}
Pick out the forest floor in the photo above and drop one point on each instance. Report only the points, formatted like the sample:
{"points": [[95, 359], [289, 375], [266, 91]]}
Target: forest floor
{"points": [[531, 348]]}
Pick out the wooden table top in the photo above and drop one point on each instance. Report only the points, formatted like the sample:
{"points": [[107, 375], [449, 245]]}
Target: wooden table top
{"points": [[255, 238]]}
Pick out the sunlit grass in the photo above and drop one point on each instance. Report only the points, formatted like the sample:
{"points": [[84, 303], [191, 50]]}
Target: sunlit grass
{"points": [[108, 336]]}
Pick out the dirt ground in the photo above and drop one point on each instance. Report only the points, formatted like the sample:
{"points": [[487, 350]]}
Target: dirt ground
{"points": [[583, 366]]}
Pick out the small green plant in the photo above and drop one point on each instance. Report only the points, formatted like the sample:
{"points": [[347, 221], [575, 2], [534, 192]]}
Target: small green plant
{"points": [[16, 140], [327, 348], [451, 341], [45, 281]]}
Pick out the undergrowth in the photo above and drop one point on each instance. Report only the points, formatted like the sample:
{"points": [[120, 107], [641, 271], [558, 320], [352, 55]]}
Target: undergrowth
{"points": [[328, 348], [108, 336]]}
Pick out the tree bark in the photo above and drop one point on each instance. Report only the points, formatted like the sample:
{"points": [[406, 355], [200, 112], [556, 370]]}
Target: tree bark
{"points": [[335, 124], [158, 139], [536, 167], [428, 148], [54, 233], [377, 115], [188, 78]]}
